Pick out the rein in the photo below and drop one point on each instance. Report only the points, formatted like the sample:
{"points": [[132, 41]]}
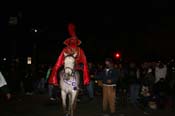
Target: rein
{"points": [[70, 69], [72, 82]]}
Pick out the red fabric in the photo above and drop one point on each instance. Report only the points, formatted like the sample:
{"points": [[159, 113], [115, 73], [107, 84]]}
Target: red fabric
{"points": [[71, 40], [81, 58], [72, 47], [71, 29]]}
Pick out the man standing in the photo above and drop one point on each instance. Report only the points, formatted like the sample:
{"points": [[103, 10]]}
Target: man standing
{"points": [[109, 77]]}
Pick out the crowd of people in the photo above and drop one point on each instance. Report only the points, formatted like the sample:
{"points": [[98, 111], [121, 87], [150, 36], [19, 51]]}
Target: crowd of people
{"points": [[151, 84]]}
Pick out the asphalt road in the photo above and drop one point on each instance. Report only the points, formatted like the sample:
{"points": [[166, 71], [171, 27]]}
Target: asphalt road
{"points": [[40, 105]]}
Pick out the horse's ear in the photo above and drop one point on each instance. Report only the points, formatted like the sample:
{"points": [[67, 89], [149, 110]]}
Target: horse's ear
{"points": [[75, 54], [65, 54]]}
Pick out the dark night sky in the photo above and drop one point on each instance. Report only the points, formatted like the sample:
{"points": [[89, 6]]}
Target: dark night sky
{"points": [[133, 27]]}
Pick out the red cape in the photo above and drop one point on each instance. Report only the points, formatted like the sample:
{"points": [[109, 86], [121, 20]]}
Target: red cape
{"points": [[81, 58]]}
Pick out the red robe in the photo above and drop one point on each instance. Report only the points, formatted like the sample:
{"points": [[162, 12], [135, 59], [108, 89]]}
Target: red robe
{"points": [[81, 58]]}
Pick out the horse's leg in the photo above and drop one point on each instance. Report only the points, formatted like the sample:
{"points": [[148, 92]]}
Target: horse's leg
{"points": [[73, 102], [63, 96], [70, 100]]}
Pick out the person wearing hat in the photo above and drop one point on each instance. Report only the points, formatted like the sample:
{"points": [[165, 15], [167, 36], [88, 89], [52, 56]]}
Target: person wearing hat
{"points": [[72, 46]]}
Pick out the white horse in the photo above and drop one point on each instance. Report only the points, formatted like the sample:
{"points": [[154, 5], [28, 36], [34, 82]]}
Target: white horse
{"points": [[69, 84]]}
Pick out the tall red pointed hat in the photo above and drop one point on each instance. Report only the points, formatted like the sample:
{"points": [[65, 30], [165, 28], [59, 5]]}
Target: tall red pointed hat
{"points": [[72, 33]]}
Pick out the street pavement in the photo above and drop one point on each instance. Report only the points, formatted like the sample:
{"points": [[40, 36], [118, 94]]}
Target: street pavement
{"points": [[40, 105]]}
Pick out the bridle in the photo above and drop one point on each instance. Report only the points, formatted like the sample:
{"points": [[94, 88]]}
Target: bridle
{"points": [[72, 69]]}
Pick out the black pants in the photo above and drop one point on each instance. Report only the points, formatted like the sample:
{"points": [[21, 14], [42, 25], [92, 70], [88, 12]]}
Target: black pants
{"points": [[28, 85]]}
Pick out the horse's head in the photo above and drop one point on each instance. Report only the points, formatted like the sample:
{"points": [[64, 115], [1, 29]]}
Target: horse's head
{"points": [[69, 64]]}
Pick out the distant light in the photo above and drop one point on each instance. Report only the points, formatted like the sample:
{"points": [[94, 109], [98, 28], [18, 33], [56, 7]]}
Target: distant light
{"points": [[35, 30], [4, 59], [29, 60], [117, 55]]}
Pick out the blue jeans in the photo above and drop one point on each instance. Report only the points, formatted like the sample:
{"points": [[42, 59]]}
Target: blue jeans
{"points": [[134, 93], [50, 90], [90, 89]]}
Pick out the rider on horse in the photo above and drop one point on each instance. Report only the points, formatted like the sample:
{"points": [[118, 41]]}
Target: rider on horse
{"points": [[72, 46]]}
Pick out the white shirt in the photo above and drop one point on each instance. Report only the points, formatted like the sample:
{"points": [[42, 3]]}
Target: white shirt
{"points": [[160, 73], [2, 80]]}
